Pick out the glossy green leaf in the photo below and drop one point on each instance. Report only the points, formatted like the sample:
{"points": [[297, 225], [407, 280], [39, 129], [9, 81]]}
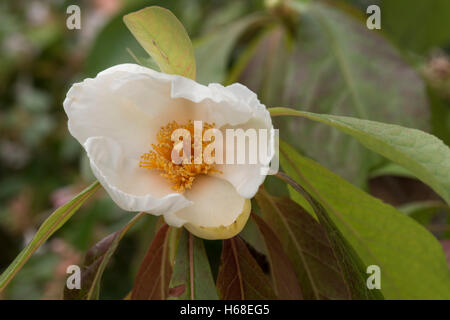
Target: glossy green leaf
{"points": [[152, 280], [240, 277], [411, 260], [285, 281], [95, 263], [164, 38], [55, 221], [191, 278], [427, 157]]}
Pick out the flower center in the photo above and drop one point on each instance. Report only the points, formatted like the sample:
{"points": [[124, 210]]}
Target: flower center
{"points": [[160, 158]]}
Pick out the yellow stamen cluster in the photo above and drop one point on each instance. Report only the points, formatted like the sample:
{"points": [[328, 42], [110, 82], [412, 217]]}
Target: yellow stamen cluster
{"points": [[160, 158]]}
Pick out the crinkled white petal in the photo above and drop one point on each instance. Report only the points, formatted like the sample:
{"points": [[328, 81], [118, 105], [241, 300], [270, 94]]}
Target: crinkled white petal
{"points": [[215, 203], [235, 107], [247, 177]]}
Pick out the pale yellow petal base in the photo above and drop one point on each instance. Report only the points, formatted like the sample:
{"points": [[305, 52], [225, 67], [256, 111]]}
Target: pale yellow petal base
{"points": [[222, 232]]}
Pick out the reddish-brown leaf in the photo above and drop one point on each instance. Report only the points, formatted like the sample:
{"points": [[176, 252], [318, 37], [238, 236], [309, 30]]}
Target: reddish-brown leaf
{"points": [[350, 266], [285, 281], [308, 247], [240, 277], [152, 280], [446, 247]]}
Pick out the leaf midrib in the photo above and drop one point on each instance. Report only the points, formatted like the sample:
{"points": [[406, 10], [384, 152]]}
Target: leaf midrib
{"points": [[297, 245], [338, 215]]}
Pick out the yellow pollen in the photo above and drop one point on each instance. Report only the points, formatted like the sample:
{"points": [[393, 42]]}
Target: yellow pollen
{"points": [[160, 158]]}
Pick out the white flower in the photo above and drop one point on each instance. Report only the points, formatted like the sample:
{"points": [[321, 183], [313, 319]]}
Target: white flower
{"points": [[116, 118]]}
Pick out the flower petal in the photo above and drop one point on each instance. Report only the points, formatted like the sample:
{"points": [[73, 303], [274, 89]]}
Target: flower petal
{"points": [[232, 107], [130, 187], [127, 103], [215, 203], [222, 232], [247, 178]]}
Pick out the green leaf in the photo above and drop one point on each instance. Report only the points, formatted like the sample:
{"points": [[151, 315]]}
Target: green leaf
{"points": [[440, 110], [427, 157], [391, 169], [152, 280], [213, 50], [95, 263], [191, 278], [240, 277], [164, 38], [147, 62], [416, 24], [114, 42], [55, 221], [411, 260], [110, 46], [307, 244], [252, 236], [285, 281], [423, 211], [340, 67]]}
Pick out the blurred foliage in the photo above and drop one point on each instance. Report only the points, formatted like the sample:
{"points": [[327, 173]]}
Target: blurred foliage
{"points": [[422, 24], [322, 59]]}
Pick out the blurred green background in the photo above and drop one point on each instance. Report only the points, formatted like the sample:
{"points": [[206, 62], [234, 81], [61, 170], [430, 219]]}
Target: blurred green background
{"points": [[322, 60]]}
